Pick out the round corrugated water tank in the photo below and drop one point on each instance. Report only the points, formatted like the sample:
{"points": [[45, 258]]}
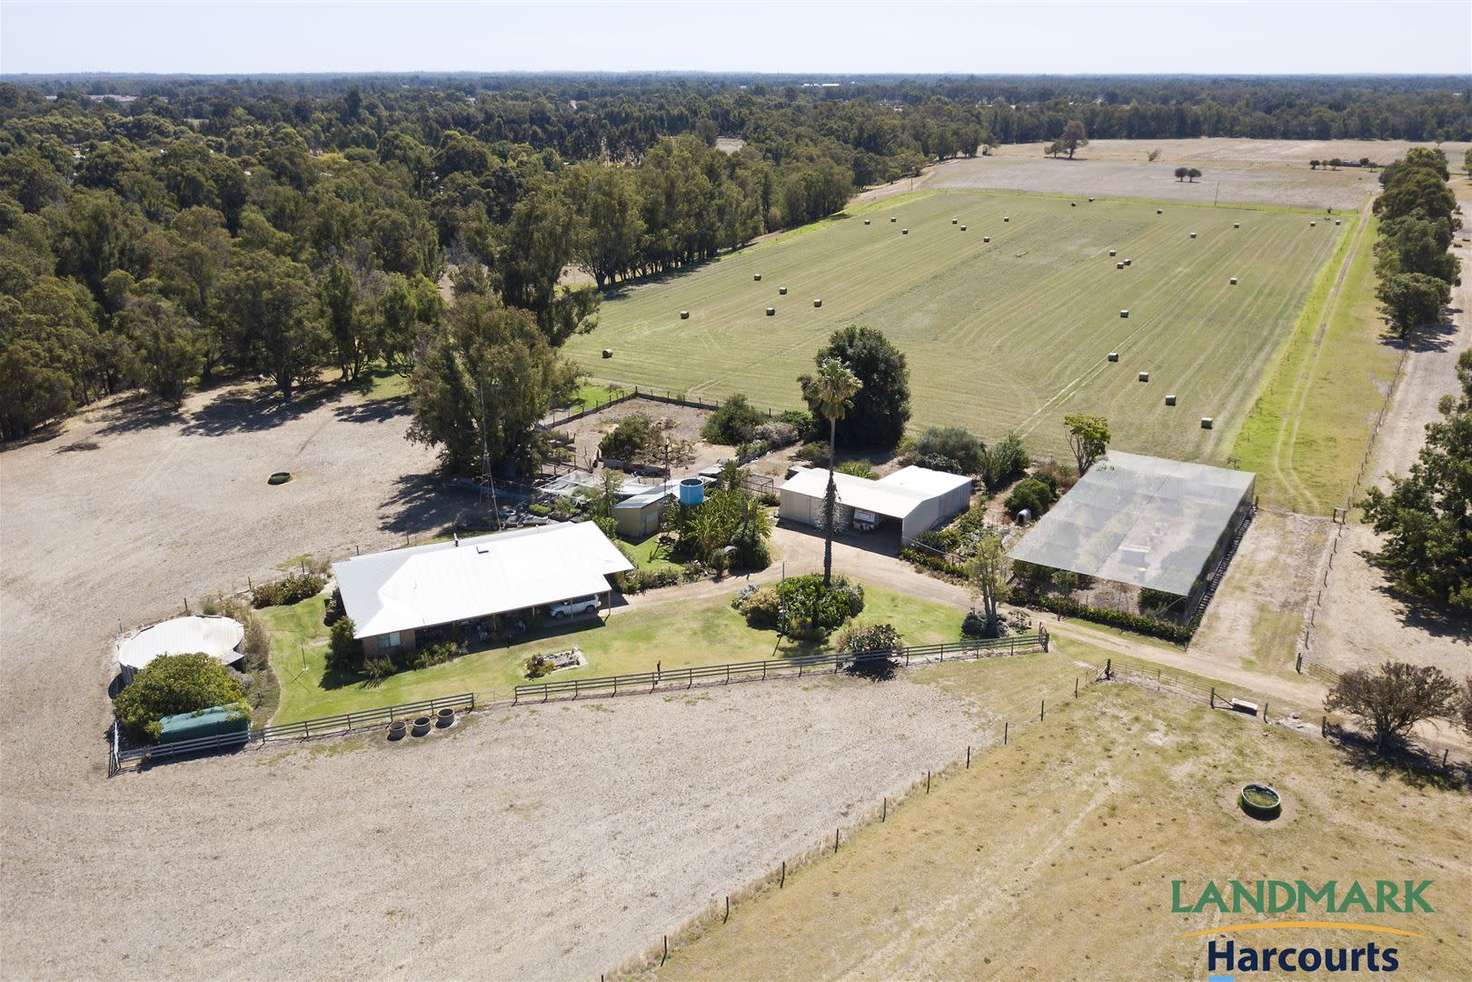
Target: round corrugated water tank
{"points": [[692, 491]]}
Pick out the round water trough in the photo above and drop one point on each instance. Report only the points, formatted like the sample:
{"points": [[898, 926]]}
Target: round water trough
{"points": [[396, 729], [692, 491], [421, 726], [445, 717], [280, 477], [1260, 801]]}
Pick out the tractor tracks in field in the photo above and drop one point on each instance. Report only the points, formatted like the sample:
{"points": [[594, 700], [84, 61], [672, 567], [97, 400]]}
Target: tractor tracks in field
{"points": [[1287, 436]]}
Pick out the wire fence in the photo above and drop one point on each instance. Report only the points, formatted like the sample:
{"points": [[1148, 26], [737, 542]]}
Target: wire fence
{"points": [[725, 674]]}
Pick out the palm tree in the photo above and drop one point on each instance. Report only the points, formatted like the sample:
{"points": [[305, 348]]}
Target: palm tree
{"points": [[831, 392]]}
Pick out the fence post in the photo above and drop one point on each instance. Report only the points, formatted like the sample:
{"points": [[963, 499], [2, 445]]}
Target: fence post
{"points": [[1324, 727], [1075, 686], [927, 782], [835, 840], [1212, 698], [1109, 668], [783, 882], [1042, 709], [968, 758], [1264, 711], [1005, 724], [884, 815]]}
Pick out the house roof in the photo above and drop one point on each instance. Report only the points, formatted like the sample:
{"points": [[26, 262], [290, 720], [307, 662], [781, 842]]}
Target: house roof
{"points": [[894, 496], [1146, 521], [443, 582]]}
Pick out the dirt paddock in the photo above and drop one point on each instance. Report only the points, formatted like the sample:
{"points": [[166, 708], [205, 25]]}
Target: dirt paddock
{"points": [[550, 842]]}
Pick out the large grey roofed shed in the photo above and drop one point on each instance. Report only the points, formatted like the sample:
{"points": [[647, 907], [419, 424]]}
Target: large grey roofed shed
{"points": [[1145, 521]]}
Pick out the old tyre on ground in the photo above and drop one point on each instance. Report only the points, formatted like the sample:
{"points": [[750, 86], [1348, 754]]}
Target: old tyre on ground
{"points": [[445, 717], [396, 729], [1260, 801], [421, 726]]}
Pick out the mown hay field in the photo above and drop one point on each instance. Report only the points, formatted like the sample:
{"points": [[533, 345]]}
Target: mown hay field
{"points": [[1010, 334]]}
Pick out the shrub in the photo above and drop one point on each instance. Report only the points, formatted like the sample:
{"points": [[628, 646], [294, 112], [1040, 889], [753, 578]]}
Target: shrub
{"points": [[751, 551], [856, 468], [1004, 462], [378, 669], [172, 684], [1057, 475], [973, 625], [858, 638], [810, 612], [256, 645], [344, 652], [949, 448], [1157, 600], [438, 654], [633, 435], [777, 434], [803, 422], [539, 509], [1031, 494], [934, 563], [734, 422], [813, 453], [761, 607], [333, 609], [639, 580], [1031, 579], [288, 590], [538, 665]]}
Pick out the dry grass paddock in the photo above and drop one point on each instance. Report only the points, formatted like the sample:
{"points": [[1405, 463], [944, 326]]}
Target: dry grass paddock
{"points": [[1053, 857]]}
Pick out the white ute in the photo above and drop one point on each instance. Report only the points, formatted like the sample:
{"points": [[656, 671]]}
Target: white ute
{"points": [[574, 607]]}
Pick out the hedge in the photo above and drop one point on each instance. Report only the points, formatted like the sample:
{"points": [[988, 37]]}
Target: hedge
{"points": [[932, 562], [1138, 623]]}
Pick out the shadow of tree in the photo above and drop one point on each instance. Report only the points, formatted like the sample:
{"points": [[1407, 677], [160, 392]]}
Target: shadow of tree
{"points": [[1412, 765], [1416, 614], [1432, 337], [249, 410], [429, 503], [139, 411], [375, 411]]}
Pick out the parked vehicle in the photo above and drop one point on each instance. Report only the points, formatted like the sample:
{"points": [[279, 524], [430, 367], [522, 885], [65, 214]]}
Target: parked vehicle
{"points": [[574, 607]]}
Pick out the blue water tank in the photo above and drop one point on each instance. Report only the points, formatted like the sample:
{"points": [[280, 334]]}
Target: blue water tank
{"points": [[692, 491]]}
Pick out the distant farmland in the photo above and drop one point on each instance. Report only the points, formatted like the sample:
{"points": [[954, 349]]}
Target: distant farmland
{"points": [[1012, 334]]}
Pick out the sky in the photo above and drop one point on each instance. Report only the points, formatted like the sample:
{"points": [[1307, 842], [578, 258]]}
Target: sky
{"points": [[1141, 37]]}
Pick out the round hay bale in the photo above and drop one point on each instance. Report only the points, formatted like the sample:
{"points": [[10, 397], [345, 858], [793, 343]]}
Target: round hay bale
{"points": [[1336, 222], [1160, 211], [955, 221], [866, 221], [1119, 265], [1232, 281], [963, 228], [756, 277], [1091, 201], [1111, 253], [1144, 376], [904, 231], [1073, 204], [1128, 262], [1124, 313], [817, 301], [684, 315], [1193, 235], [1236, 224], [607, 352], [771, 311], [1313, 224], [781, 291], [892, 219], [1006, 219], [1170, 400], [1206, 422], [1114, 356], [986, 238]]}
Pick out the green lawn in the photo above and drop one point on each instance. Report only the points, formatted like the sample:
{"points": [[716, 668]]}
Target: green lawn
{"points": [[1010, 334], [631, 640], [1307, 432], [642, 554]]}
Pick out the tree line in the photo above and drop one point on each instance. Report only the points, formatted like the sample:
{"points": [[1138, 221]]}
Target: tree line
{"points": [[1418, 215]]}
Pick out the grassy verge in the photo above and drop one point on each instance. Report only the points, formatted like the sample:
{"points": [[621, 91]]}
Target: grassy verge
{"points": [[1310, 426], [667, 632]]}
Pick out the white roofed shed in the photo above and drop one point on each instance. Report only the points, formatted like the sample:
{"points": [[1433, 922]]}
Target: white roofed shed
{"points": [[917, 497], [445, 582]]}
